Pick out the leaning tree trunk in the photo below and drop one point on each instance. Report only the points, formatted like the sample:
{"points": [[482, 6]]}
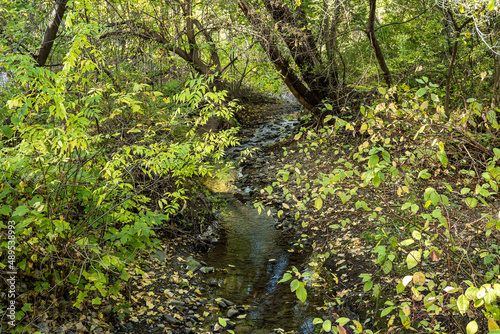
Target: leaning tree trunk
{"points": [[55, 18], [312, 83]]}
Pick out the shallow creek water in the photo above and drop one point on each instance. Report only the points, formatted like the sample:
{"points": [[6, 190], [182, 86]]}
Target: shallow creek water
{"points": [[255, 255]]}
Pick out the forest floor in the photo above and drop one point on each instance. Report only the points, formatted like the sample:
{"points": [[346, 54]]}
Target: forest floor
{"points": [[173, 299]]}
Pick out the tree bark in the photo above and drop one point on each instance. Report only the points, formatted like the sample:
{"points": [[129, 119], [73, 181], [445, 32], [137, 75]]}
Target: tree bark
{"points": [[313, 82], [376, 47], [55, 18], [496, 86], [449, 75]]}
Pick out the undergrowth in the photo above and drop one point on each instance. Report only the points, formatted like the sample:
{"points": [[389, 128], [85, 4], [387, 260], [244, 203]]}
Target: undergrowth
{"points": [[422, 193], [89, 175]]}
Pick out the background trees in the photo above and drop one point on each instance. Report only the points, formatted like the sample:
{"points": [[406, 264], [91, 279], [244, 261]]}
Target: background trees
{"points": [[99, 120]]}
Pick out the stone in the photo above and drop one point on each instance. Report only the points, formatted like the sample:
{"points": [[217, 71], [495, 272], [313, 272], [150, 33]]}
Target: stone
{"points": [[192, 265], [206, 270], [177, 302], [227, 302], [171, 320], [108, 309], [232, 312]]}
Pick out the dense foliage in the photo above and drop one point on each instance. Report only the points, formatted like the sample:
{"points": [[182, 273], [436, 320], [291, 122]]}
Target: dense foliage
{"points": [[111, 112]]}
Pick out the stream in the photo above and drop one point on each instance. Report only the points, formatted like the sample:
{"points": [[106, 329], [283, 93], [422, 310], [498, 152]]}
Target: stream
{"points": [[253, 254]]}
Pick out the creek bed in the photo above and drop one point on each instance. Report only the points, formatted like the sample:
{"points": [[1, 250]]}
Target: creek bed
{"points": [[252, 255]]}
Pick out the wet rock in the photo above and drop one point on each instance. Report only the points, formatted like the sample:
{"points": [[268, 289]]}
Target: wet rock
{"points": [[213, 282], [214, 241], [107, 310], [206, 270], [171, 320], [177, 302], [192, 264], [232, 312], [227, 302]]}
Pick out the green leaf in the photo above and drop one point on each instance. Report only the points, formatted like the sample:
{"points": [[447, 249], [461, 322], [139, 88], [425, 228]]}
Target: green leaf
{"points": [[443, 158], [422, 91], [327, 326], [222, 322], [413, 259], [471, 202], [406, 205], [386, 311], [286, 277], [424, 174], [472, 327], [21, 211], [342, 321], [7, 131], [301, 293], [376, 180], [125, 275], [462, 304], [294, 285], [436, 213], [374, 159], [368, 285]]}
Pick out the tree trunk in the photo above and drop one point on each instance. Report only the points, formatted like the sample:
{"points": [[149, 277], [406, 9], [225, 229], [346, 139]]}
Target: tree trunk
{"points": [[496, 86], [449, 75], [55, 18], [313, 84], [376, 47]]}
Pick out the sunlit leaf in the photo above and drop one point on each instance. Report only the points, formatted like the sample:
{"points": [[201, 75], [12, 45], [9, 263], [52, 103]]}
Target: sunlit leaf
{"points": [[492, 325], [301, 293], [419, 278], [462, 304], [327, 326], [472, 327], [413, 259]]}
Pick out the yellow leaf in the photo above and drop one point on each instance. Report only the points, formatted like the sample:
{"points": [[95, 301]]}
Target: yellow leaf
{"points": [[391, 321], [406, 310], [424, 105], [492, 325], [419, 278], [363, 128]]}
